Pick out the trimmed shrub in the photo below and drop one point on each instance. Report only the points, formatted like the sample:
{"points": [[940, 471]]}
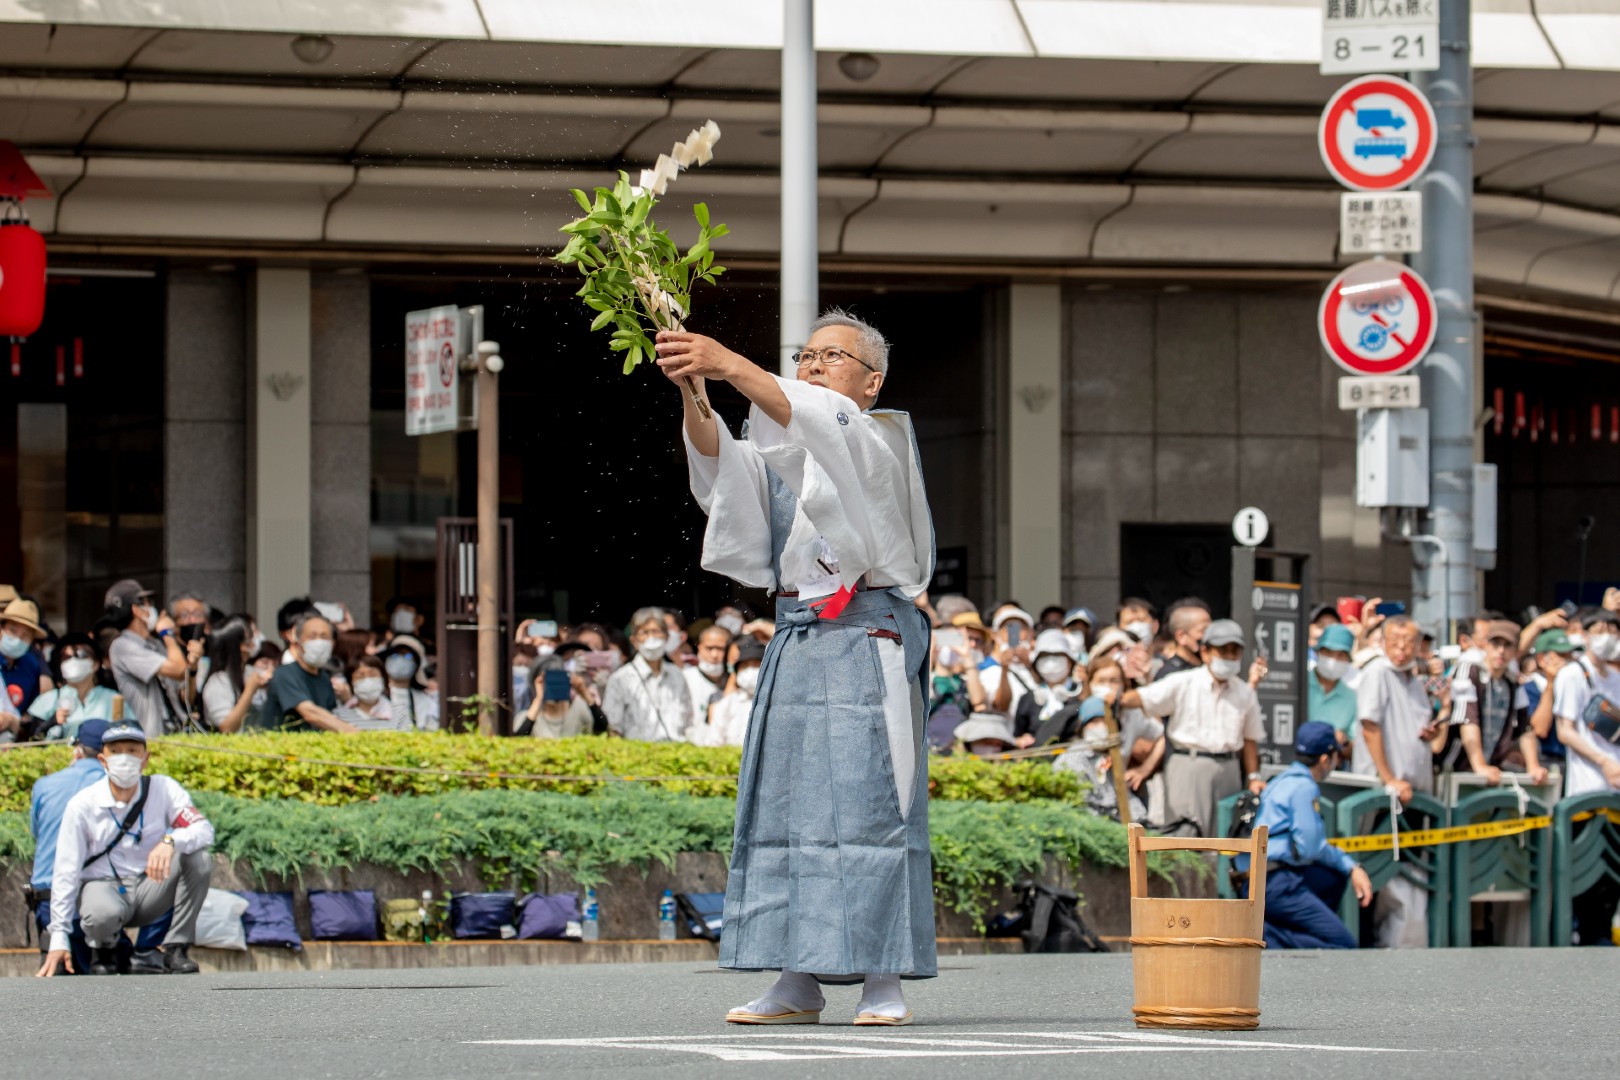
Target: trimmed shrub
{"points": [[295, 766]]}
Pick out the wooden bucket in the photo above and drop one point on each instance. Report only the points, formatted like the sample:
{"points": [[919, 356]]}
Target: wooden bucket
{"points": [[1197, 962]]}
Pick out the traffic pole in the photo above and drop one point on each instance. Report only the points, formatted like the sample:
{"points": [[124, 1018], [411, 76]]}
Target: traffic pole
{"points": [[800, 254], [1443, 586], [489, 536]]}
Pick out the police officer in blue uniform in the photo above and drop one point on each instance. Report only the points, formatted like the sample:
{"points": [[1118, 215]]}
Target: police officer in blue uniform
{"points": [[1306, 879]]}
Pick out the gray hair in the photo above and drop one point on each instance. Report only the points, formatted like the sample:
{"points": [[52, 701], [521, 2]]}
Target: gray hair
{"points": [[951, 605], [646, 615], [874, 346]]}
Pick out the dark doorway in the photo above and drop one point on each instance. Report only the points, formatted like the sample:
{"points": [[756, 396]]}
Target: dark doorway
{"points": [[1164, 563]]}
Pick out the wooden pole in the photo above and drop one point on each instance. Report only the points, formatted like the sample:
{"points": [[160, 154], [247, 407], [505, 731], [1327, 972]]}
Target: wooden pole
{"points": [[1116, 765], [489, 543]]}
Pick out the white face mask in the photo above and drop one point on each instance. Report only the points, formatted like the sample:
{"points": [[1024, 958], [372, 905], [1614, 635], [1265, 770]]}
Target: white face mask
{"points": [[543, 652], [1331, 668], [1224, 669], [1142, 629], [77, 667], [402, 621], [369, 689], [1077, 642], [1054, 669], [673, 645], [652, 648], [124, 769], [317, 651], [747, 679], [12, 646], [1605, 647], [730, 622], [400, 666], [1104, 691], [712, 668]]}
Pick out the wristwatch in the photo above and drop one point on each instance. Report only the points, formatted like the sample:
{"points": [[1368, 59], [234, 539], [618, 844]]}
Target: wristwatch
{"points": [[167, 840], [164, 633], [1252, 776]]}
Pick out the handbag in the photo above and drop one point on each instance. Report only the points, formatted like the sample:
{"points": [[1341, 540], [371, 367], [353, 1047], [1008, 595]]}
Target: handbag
{"points": [[704, 913], [343, 916], [548, 916], [268, 920], [1602, 717], [483, 915], [1051, 921]]}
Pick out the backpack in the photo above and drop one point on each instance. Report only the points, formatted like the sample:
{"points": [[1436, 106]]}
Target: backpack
{"points": [[1050, 922]]}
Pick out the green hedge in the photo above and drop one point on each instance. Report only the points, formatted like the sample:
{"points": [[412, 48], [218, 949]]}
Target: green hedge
{"points": [[977, 847], [290, 772]]}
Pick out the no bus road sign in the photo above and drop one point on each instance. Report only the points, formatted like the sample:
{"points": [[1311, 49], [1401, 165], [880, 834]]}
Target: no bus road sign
{"points": [[1377, 318], [1377, 133]]}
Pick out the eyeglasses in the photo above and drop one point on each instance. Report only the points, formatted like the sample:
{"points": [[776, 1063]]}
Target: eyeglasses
{"points": [[831, 357]]}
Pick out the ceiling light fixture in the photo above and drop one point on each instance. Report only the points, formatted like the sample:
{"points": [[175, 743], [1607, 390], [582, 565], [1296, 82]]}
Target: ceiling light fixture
{"points": [[859, 66], [313, 48]]}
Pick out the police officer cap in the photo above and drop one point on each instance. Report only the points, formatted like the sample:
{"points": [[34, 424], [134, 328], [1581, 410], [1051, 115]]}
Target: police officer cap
{"points": [[123, 731], [91, 734], [1314, 738]]}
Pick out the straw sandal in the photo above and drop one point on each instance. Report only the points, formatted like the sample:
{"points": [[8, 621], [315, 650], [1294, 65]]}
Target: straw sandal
{"points": [[868, 1019]]}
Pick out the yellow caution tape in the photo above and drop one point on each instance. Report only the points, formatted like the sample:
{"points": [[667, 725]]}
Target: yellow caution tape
{"points": [[1457, 834]]}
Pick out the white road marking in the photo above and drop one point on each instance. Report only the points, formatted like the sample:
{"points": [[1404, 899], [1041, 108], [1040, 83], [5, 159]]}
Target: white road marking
{"points": [[764, 1045]]}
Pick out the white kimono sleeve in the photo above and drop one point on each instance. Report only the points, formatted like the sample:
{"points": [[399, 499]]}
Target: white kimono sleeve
{"points": [[857, 481], [732, 489]]}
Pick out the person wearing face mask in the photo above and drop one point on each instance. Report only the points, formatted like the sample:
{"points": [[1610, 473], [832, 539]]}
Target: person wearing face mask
{"points": [[367, 706], [1089, 757], [1330, 697], [300, 695], [1213, 725], [22, 670], [1188, 621], [403, 618], [1139, 618], [648, 698], [414, 709], [149, 662], [128, 850], [1397, 724], [706, 681], [58, 713], [1054, 719], [676, 647], [727, 722], [732, 617], [1077, 627]]}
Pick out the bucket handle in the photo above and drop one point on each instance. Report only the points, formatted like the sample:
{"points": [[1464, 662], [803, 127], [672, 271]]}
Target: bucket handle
{"points": [[1140, 843]]}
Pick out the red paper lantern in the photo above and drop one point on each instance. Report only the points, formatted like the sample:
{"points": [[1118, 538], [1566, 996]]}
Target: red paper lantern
{"points": [[22, 279]]}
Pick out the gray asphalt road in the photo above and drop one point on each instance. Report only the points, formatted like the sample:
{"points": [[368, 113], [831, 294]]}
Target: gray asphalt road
{"points": [[1475, 1014]]}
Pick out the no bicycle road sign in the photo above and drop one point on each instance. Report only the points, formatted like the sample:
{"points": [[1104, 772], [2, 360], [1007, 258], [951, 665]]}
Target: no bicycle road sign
{"points": [[1377, 318]]}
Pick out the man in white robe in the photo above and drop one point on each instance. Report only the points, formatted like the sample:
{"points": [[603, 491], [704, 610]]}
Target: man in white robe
{"points": [[822, 500]]}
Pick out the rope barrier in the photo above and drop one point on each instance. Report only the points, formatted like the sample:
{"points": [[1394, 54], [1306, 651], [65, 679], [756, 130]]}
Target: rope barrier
{"points": [[433, 770]]}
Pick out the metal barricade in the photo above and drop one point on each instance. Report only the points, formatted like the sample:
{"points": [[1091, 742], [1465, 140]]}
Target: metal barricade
{"points": [[1585, 851], [1499, 865]]}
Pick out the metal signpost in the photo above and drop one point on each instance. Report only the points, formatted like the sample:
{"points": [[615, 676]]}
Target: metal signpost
{"points": [[1268, 601]]}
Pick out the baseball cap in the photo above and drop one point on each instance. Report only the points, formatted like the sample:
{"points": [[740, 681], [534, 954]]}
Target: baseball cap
{"points": [[750, 647], [1053, 641], [1006, 614], [123, 731], [1502, 629], [1554, 641], [1080, 614], [1091, 709], [1337, 638], [91, 734], [1314, 739], [123, 596], [1223, 632]]}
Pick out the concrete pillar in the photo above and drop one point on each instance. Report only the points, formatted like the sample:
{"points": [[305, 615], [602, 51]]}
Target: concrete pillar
{"points": [[204, 433], [1034, 463], [278, 439], [340, 549]]}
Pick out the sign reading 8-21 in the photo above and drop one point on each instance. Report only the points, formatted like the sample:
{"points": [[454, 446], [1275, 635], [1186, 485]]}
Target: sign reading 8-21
{"points": [[1365, 36]]}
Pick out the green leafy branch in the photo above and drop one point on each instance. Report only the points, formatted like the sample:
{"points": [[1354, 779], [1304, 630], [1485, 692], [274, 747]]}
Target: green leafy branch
{"points": [[636, 279]]}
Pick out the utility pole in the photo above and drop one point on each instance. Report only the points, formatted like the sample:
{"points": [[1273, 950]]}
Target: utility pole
{"points": [[489, 535], [800, 255], [1447, 582]]}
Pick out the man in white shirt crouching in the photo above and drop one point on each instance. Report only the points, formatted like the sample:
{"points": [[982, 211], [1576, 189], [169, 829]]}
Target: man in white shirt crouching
{"points": [[130, 848]]}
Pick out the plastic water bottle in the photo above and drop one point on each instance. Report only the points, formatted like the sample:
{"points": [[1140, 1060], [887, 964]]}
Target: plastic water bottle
{"points": [[593, 917], [427, 905], [666, 917]]}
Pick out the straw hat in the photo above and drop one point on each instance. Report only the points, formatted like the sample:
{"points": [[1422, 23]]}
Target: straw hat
{"points": [[25, 612]]}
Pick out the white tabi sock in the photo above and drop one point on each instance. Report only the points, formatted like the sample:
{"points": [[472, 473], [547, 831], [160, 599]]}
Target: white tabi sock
{"points": [[881, 995], [795, 991]]}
